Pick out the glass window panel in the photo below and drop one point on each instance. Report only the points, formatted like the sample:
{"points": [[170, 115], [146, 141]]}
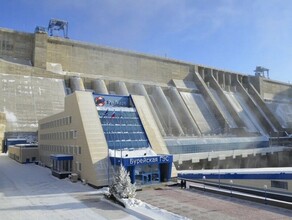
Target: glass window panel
{"points": [[132, 144], [131, 128], [129, 144], [114, 145], [144, 136], [112, 136], [138, 144], [125, 129], [128, 136], [119, 136], [136, 136]]}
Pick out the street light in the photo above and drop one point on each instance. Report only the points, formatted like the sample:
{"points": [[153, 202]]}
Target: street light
{"points": [[231, 185], [204, 180], [219, 179], [265, 187]]}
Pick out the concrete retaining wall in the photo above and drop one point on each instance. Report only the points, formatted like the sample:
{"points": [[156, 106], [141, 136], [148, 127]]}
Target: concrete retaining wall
{"points": [[85, 58], [16, 45]]}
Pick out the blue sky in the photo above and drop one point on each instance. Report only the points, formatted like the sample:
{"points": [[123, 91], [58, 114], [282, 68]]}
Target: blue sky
{"points": [[236, 35]]}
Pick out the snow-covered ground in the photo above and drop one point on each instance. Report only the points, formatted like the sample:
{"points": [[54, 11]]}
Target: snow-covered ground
{"points": [[137, 206], [29, 191]]}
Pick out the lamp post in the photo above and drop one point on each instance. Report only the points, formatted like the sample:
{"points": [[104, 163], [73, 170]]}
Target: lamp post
{"points": [[265, 188], [231, 185], [219, 173], [108, 163], [204, 180]]}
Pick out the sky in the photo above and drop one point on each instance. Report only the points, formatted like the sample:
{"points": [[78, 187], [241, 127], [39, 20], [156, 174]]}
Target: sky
{"points": [[233, 35]]}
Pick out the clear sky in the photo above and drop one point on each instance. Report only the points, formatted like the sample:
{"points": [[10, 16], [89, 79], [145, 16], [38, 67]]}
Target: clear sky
{"points": [[236, 35]]}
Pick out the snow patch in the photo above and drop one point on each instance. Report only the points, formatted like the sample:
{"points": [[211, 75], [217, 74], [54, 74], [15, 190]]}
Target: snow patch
{"points": [[136, 205], [55, 68], [10, 116]]}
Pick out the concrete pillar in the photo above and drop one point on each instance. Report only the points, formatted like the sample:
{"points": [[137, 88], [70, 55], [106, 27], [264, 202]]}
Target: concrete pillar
{"points": [[98, 85], [228, 82], [2, 129], [40, 50], [217, 76], [76, 84], [203, 73], [121, 89], [223, 80]]}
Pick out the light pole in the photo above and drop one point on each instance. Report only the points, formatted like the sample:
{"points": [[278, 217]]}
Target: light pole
{"points": [[219, 173], [108, 163], [231, 185], [265, 188], [204, 180]]}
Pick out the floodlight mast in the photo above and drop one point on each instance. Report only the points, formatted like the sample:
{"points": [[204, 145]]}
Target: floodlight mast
{"points": [[58, 25], [260, 71]]}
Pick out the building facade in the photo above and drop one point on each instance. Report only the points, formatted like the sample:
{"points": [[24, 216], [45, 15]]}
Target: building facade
{"points": [[24, 153], [102, 132]]}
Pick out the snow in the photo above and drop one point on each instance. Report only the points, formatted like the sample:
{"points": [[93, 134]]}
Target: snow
{"points": [[149, 210], [10, 116], [126, 153], [29, 191], [122, 186]]}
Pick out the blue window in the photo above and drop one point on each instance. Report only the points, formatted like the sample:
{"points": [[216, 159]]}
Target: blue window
{"points": [[124, 130]]}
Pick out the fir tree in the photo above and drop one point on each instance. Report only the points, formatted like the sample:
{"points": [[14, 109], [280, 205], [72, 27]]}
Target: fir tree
{"points": [[122, 187]]}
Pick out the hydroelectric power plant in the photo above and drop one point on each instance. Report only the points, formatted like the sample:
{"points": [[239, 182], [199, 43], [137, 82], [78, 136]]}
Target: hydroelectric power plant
{"points": [[88, 106]]}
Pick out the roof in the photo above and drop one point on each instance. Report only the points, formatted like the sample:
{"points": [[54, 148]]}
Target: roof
{"points": [[61, 157]]}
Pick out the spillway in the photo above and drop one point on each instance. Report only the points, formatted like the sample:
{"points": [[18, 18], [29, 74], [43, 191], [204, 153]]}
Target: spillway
{"points": [[282, 111], [227, 115], [200, 111], [181, 111], [165, 111], [244, 112], [139, 89]]}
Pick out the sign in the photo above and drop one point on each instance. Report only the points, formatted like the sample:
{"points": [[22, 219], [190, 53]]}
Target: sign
{"points": [[136, 161], [99, 101], [111, 100], [142, 160]]}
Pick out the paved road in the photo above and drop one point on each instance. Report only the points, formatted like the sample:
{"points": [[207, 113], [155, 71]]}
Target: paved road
{"points": [[199, 205]]}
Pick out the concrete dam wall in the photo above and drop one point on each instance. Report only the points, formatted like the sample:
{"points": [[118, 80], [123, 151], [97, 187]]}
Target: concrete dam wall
{"points": [[187, 100]]}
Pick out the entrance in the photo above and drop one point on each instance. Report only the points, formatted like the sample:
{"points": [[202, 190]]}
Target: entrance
{"points": [[62, 165], [165, 171], [147, 174]]}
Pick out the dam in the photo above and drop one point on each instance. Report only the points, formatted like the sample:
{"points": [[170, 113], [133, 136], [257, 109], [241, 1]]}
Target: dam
{"points": [[198, 110]]}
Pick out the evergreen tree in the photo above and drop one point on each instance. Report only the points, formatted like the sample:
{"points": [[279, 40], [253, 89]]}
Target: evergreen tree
{"points": [[122, 187]]}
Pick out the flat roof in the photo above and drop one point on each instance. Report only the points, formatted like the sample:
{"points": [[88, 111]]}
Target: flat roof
{"points": [[61, 157]]}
